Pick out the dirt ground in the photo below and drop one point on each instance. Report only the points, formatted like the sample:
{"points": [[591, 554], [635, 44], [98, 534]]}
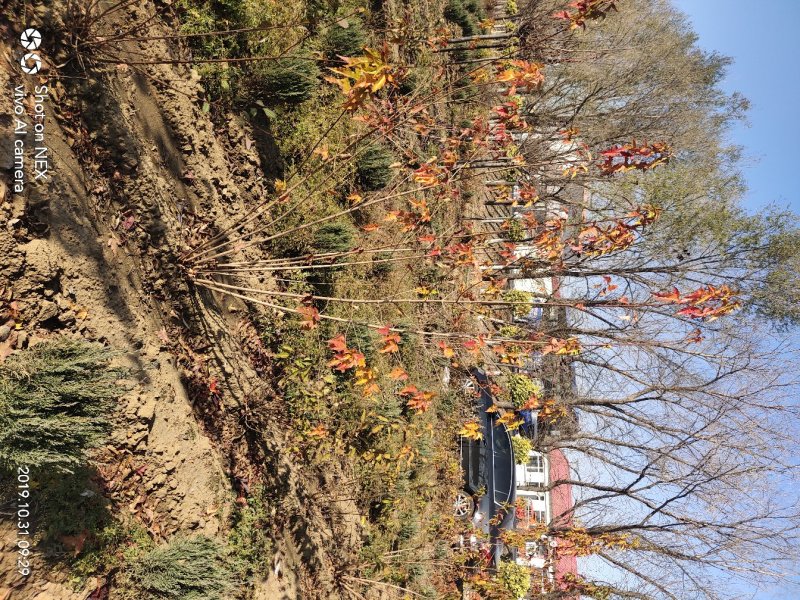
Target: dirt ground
{"points": [[92, 253]]}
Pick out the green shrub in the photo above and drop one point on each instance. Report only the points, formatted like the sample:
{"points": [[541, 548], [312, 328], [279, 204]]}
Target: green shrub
{"points": [[522, 447], [250, 537], [409, 527], [458, 12], [519, 296], [511, 331], [55, 399], [408, 84], [185, 569], [317, 10], [341, 41], [362, 339], [289, 80], [372, 168], [202, 17], [334, 236], [475, 8], [514, 578], [516, 232], [520, 388], [105, 549], [381, 270]]}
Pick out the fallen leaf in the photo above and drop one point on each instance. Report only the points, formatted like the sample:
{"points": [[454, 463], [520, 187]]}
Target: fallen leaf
{"points": [[75, 542]]}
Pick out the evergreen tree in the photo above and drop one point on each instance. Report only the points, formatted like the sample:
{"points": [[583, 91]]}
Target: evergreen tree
{"points": [[55, 400]]}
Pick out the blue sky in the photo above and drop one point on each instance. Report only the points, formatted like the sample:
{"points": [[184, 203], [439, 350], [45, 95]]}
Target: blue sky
{"points": [[763, 39]]}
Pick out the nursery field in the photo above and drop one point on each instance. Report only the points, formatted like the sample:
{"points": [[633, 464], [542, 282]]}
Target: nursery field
{"points": [[283, 252]]}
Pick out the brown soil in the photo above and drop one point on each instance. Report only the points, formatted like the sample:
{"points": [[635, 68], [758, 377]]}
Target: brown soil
{"points": [[138, 166]]}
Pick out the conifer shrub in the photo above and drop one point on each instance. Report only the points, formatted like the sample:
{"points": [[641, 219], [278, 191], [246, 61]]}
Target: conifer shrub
{"points": [[55, 402], [458, 12], [317, 10], [287, 80], [362, 339], [380, 269], [334, 236], [373, 168], [409, 84], [188, 568], [344, 41]]}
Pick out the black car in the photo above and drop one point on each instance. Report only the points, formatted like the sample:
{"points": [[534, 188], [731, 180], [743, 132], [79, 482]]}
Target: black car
{"points": [[489, 473]]}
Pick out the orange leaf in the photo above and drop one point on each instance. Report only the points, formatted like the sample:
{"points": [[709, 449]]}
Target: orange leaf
{"points": [[320, 431], [447, 351], [421, 401], [398, 374], [409, 390], [338, 343]]}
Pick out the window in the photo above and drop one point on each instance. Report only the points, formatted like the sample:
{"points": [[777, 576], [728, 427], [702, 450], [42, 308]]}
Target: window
{"points": [[535, 464], [532, 512], [535, 549]]}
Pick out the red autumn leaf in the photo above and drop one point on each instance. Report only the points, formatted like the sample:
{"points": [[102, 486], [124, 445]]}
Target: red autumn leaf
{"points": [[570, 346], [390, 344], [338, 343], [474, 346], [421, 401], [129, 222], [390, 339], [693, 312], [346, 360], [310, 317], [695, 337], [99, 593], [319, 432], [673, 297]]}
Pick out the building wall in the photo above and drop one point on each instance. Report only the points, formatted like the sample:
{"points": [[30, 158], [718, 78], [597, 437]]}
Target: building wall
{"points": [[561, 503]]}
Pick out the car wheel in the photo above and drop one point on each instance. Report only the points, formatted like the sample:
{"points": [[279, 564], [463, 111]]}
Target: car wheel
{"points": [[464, 505]]}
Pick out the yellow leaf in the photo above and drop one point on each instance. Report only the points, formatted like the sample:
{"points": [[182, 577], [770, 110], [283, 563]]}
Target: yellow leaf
{"points": [[471, 430]]}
